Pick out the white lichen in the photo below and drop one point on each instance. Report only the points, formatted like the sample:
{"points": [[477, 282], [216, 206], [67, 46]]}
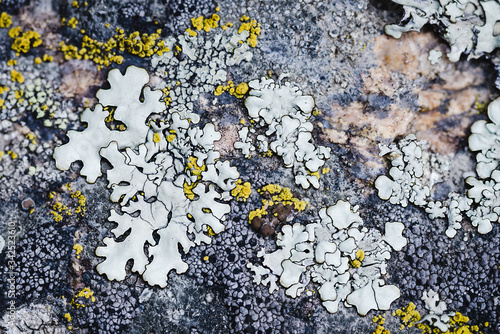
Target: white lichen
{"points": [[468, 25], [164, 173], [283, 113], [437, 316], [407, 182], [344, 258]]}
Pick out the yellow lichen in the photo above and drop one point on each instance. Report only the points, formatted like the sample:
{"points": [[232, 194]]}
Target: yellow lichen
{"points": [[15, 76], [78, 248], [210, 231], [188, 190], [191, 32], [410, 317], [12, 154], [5, 20], [242, 190], [171, 137], [47, 58], [72, 22], [281, 195], [67, 316], [239, 91], [84, 293], [205, 23], [25, 41], [256, 213], [105, 53], [156, 137], [14, 32], [253, 29]]}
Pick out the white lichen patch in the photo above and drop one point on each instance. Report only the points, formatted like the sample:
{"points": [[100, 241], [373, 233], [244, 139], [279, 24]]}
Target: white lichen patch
{"points": [[411, 178], [283, 113], [438, 316], [413, 173], [165, 175], [343, 259], [469, 25]]}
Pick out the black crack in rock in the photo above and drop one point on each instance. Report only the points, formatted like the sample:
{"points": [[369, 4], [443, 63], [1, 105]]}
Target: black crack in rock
{"points": [[41, 266]]}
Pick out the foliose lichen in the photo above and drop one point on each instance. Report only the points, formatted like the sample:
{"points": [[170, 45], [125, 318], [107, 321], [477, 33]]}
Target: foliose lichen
{"points": [[344, 258]]}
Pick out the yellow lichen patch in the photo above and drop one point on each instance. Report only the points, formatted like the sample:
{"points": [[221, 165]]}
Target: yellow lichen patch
{"points": [[156, 137], [205, 258], [481, 107], [280, 195], [239, 91], [12, 154], [11, 62], [171, 137], [72, 22], [256, 213], [205, 23], [316, 173], [18, 94], [67, 316], [188, 190], [47, 58], [15, 31], [380, 320], [360, 256], [408, 315], [191, 32], [105, 53], [84, 293], [458, 323], [253, 29], [78, 248], [75, 204], [5, 20], [166, 98], [193, 167], [25, 41], [38, 60], [210, 231], [31, 137], [325, 170], [15, 76], [242, 190]]}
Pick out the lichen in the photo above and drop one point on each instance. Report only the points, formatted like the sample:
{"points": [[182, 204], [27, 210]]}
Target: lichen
{"points": [[468, 24], [149, 175], [321, 252], [283, 112]]}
